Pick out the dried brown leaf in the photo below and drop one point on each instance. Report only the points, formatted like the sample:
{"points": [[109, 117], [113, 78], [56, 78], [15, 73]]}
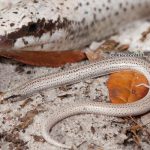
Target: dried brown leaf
{"points": [[45, 58], [123, 87], [27, 119], [109, 45], [123, 47]]}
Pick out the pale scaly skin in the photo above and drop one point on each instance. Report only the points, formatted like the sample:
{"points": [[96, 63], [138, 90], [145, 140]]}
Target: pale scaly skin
{"points": [[65, 25], [91, 70]]}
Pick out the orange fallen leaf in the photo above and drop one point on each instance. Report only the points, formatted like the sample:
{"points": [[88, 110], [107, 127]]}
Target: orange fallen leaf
{"points": [[43, 58], [122, 86]]}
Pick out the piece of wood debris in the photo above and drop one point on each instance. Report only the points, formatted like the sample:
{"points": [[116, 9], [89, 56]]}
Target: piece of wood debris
{"points": [[25, 102], [123, 47], [145, 34], [38, 138]]}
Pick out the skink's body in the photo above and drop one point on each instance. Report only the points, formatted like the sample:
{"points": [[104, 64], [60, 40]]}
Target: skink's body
{"points": [[65, 24], [78, 74]]}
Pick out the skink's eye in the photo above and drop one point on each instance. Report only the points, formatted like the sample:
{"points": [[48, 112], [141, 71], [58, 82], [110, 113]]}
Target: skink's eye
{"points": [[32, 27]]}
